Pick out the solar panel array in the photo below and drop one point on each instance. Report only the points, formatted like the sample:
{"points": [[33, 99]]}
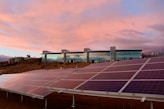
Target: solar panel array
{"points": [[150, 80], [113, 77], [32, 83], [145, 76], [142, 76]]}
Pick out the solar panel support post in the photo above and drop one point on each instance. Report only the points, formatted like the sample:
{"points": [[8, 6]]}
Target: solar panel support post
{"points": [[21, 98], [73, 101], [151, 105], [7, 95], [99, 100], [45, 103]]}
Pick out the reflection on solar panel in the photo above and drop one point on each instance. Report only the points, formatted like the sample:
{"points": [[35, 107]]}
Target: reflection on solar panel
{"points": [[41, 91], [66, 84], [156, 74], [124, 68], [94, 69], [157, 59], [154, 66], [20, 88], [146, 87], [120, 79], [111, 86], [136, 61], [80, 76], [118, 75], [32, 83], [99, 64], [35, 83]]}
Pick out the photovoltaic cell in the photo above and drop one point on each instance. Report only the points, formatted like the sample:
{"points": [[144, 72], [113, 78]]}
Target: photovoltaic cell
{"points": [[23, 82], [157, 59], [154, 66], [95, 69], [7, 82], [123, 68], [20, 88], [66, 84], [157, 74], [41, 91], [118, 75], [10, 78], [45, 78], [80, 76], [146, 87], [111, 86], [136, 61], [36, 83], [99, 64]]}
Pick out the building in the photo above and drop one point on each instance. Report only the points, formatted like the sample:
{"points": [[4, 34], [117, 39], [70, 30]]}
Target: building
{"points": [[15, 60], [89, 55]]}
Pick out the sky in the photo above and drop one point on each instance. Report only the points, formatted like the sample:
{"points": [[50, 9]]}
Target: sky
{"points": [[31, 26]]}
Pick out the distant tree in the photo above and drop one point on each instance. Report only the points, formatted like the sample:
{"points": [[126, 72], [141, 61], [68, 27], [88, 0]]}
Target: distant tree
{"points": [[28, 56]]}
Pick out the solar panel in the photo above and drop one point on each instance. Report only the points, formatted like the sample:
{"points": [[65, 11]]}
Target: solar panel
{"points": [[93, 69], [66, 84], [42, 78], [157, 59], [20, 88], [154, 66], [33, 83], [80, 76], [146, 87], [118, 75], [135, 61], [156, 74], [111, 86], [11, 77], [41, 91], [123, 68], [99, 64], [9, 82]]}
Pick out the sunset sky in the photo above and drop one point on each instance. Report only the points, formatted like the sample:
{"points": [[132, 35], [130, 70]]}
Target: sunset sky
{"points": [[30, 26]]}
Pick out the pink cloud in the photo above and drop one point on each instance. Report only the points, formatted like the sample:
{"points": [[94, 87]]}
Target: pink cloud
{"points": [[53, 25]]}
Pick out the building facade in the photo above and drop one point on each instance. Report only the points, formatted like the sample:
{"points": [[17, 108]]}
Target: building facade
{"points": [[91, 56]]}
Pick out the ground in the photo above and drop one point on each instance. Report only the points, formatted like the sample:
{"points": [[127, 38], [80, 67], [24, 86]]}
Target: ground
{"points": [[64, 101], [27, 66]]}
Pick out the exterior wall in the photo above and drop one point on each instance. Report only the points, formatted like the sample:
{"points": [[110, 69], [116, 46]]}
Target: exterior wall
{"points": [[15, 60], [113, 53]]}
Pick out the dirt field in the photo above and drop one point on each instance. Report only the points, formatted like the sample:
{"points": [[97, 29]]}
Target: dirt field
{"points": [[23, 67]]}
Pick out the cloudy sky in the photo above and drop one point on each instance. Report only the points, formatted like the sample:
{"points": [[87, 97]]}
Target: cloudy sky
{"points": [[30, 26]]}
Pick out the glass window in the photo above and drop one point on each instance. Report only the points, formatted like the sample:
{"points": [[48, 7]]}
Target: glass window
{"points": [[127, 55], [99, 56], [75, 57], [53, 57]]}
